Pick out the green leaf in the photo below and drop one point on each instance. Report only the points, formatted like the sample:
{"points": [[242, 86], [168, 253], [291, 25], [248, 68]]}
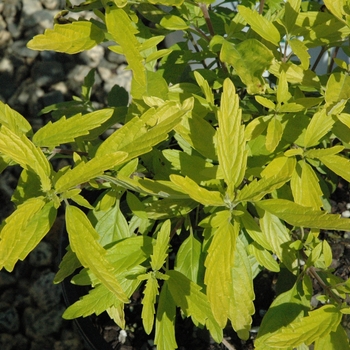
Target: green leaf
{"points": [[24, 229], [291, 11], [301, 51], [264, 102], [320, 124], [230, 139], [298, 215], [263, 257], [22, 151], [283, 95], [116, 19], [173, 22], [286, 308], [219, 265], [192, 130], [165, 321], [337, 7], [241, 300], [67, 130], [111, 225], [260, 25], [136, 205], [69, 38], [319, 323], [150, 293], [160, 249], [337, 89], [188, 258], [203, 84], [322, 152], [139, 135], [193, 302], [333, 341], [274, 134], [258, 189], [68, 265], [83, 241], [197, 193], [277, 237], [338, 164], [250, 59], [14, 121], [84, 172], [305, 186]]}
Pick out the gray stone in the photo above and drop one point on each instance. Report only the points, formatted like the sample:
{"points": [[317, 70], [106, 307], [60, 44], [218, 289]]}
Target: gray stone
{"points": [[9, 320], [46, 343], [43, 18], [47, 73], [53, 4], [21, 342], [6, 280], [42, 254], [7, 342], [20, 48], [31, 6], [93, 57], [46, 294], [38, 324]]}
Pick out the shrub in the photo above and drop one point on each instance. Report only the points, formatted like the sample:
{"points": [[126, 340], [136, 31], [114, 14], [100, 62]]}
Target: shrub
{"points": [[230, 143]]}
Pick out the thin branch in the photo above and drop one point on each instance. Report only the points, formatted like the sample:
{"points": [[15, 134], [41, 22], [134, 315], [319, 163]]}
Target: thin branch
{"points": [[261, 6], [323, 50], [207, 19], [228, 345]]}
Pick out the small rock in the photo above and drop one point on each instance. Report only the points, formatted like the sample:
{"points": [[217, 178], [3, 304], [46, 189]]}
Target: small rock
{"points": [[38, 324], [42, 254], [20, 48], [6, 280], [21, 342], [47, 73], [92, 57], [46, 294], [9, 320], [46, 343], [31, 6], [69, 344], [7, 341]]}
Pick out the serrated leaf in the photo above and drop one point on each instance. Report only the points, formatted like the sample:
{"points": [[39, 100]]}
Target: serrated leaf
{"points": [[263, 257], [150, 293], [337, 8], [14, 121], [69, 38], [320, 124], [277, 236], [219, 264], [192, 130], [21, 150], [305, 186], [139, 135], [160, 248], [259, 188], [333, 341], [286, 308], [321, 152], [69, 263], [230, 139], [265, 102], [117, 18], [319, 323], [196, 192], [274, 134], [83, 241], [136, 205], [292, 8], [165, 321], [111, 225], [260, 25], [67, 130], [301, 51], [337, 89], [203, 84], [282, 94], [188, 296], [188, 258], [84, 172], [250, 59], [24, 229], [173, 22], [299, 215], [338, 164], [242, 294]]}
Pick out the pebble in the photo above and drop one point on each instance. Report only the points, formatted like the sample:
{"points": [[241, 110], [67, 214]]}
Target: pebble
{"points": [[9, 319], [46, 294], [42, 255]]}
